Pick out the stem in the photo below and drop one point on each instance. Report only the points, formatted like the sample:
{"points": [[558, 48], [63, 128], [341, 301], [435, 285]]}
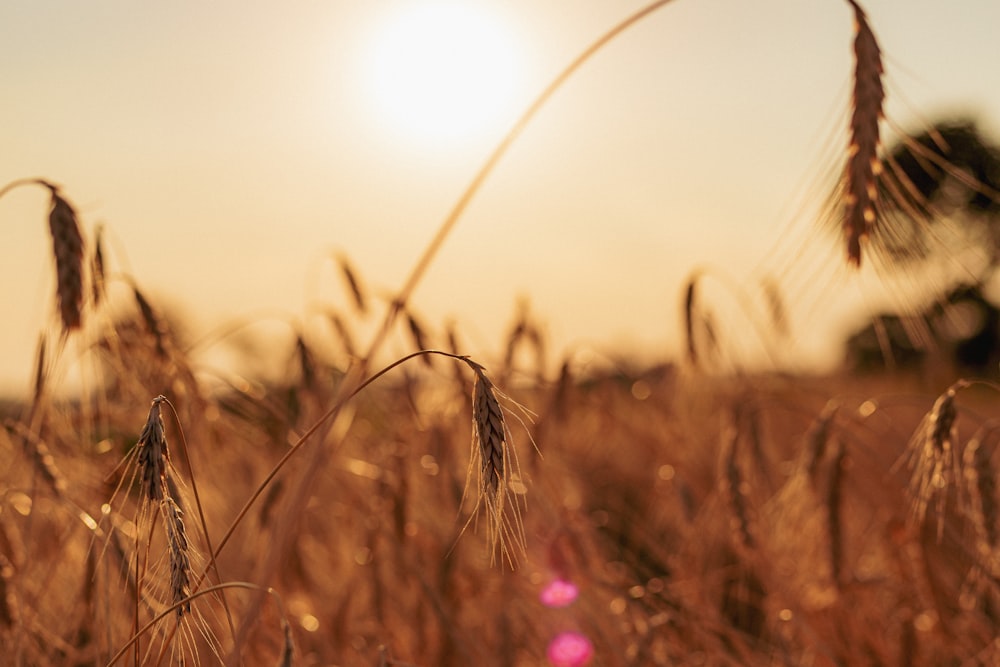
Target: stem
{"points": [[177, 605], [26, 181]]}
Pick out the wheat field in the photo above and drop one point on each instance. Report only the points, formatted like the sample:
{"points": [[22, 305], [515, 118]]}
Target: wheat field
{"points": [[512, 507]]}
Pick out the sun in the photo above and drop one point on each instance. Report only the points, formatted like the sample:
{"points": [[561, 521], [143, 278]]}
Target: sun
{"points": [[442, 71]]}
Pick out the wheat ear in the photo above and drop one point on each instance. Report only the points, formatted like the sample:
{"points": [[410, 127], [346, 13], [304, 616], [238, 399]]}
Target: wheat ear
{"points": [[734, 488], [152, 455], [496, 463], [981, 489], [180, 561], [834, 510], [67, 246], [353, 284], [490, 435], [932, 454], [863, 164]]}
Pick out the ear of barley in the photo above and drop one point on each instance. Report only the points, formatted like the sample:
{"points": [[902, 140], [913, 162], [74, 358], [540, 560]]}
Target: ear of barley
{"points": [[862, 163], [288, 652], [307, 363], [8, 605], [152, 455], [97, 267], [344, 334], [153, 323], [353, 284], [419, 337], [498, 471], [41, 457], [834, 505], [981, 489], [67, 246], [775, 306], [734, 488], [490, 435], [39, 371], [180, 562], [817, 440], [689, 301], [932, 455]]}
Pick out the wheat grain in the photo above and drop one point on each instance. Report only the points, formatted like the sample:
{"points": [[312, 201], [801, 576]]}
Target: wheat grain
{"points": [[981, 489], [41, 457], [862, 164], [490, 436], [932, 454], [288, 650], [834, 506], [497, 467], [734, 487], [353, 284], [97, 267], [307, 363], [8, 605], [689, 302], [180, 562], [39, 372], [418, 336], [153, 323], [817, 440], [67, 246], [152, 458]]}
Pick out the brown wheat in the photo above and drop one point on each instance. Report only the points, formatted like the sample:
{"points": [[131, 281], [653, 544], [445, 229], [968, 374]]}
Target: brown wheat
{"points": [[863, 165], [353, 284], [180, 562], [981, 489], [932, 455], [67, 245], [733, 487], [152, 455]]}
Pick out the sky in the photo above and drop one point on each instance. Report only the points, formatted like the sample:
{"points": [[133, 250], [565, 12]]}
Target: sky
{"points": [[230, 149]]}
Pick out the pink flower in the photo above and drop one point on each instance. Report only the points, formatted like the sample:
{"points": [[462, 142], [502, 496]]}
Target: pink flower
{"points": [[570, 649], [559, 593]]}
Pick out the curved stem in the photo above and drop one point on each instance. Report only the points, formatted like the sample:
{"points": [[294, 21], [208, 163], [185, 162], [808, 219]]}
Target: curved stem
{"points": [[301, 441], [491, 162], [180, 603], [26, 181]]}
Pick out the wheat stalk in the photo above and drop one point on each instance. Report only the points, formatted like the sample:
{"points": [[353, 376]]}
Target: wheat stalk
{"points": [[834, 510], [980, 484], [734, 489], [353, 284], [97, 267], [932, 454], [154, 325], [863, 165]]}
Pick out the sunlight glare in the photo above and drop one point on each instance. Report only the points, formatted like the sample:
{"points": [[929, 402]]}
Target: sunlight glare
{"points": [[442, 71]]}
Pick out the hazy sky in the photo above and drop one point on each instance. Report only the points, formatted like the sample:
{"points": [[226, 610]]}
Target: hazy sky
{"points": [[228, 147]]}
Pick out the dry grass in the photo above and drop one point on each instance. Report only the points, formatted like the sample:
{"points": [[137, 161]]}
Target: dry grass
{"points": [[732, 520]]}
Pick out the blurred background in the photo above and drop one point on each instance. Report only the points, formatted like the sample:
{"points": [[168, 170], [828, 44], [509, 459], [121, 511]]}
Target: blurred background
{"points": [[230, 150]]}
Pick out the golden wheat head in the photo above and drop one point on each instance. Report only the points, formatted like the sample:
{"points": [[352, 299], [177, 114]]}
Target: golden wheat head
{"points": [[67, 246], [152, 454], [863, 164]]}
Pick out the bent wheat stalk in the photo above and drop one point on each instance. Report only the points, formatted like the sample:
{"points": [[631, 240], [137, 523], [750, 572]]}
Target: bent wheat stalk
{"points": [[67, 248]]}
